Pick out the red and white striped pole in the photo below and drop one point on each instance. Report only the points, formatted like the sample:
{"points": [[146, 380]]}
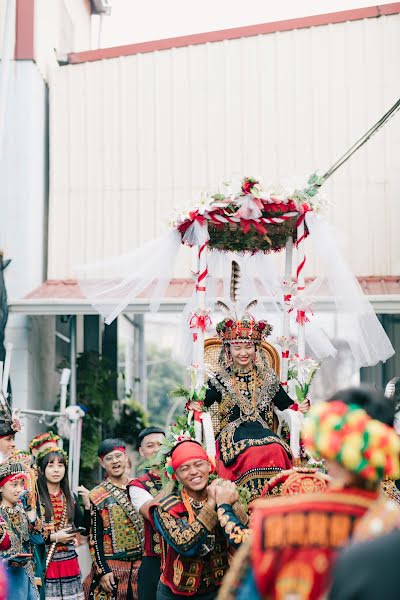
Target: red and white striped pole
{"points": [[198, 333], [286, 308], [301, 261]]}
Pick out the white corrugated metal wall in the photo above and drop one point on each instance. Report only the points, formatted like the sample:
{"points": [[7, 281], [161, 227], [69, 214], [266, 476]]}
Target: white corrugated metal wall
{"points": [[135, 136]]}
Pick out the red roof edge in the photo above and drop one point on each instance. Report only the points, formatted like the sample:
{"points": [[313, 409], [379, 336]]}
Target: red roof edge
{"points": [[68, 289], [24, 30], [235, 33]]}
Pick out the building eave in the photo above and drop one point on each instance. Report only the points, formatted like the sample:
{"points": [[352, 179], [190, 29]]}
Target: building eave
{"points": [[382, 304]]}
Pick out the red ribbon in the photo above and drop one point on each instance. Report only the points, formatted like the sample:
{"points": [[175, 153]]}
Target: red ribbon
{"points": [[287, 297], [196, 413], [302, 318], [285, 354], [200, 322]]}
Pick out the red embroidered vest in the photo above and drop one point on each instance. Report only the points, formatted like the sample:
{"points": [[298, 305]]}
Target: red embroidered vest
{"points": [[184, 575]]}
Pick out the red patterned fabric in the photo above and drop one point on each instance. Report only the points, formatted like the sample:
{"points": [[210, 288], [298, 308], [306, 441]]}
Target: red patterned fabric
{"points": [[267, 460], [57, 503], [68, 568], [296, 539]]}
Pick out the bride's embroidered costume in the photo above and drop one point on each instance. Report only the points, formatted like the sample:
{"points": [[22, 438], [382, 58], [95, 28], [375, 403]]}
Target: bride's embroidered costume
{"points": [[245, 390]]}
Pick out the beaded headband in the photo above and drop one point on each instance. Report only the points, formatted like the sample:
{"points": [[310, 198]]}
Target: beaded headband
{"points": [[245, 330], [10, 470]]}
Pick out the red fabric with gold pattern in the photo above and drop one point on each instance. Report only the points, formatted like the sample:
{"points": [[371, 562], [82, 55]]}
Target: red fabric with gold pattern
{"points": [[295, 540], [253, 468], [299, 480]]}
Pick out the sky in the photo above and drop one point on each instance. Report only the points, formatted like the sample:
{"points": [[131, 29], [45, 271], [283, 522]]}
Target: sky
{"points": [[134, 21]]}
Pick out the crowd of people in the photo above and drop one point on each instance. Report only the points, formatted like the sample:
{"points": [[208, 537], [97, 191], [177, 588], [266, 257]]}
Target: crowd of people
{"points": [[248, 525]]}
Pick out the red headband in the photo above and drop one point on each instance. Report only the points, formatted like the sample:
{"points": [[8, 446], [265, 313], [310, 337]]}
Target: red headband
{"points": [[187, 451], [115, 449], [12, 477]]}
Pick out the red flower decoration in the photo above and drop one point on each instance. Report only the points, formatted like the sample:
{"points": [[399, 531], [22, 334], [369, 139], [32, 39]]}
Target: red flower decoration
{"points": [[247, 184], [261, 326], [228, 323]]}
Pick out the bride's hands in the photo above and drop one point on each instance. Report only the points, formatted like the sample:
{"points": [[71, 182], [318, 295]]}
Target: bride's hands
{"points": [[197, 406]]}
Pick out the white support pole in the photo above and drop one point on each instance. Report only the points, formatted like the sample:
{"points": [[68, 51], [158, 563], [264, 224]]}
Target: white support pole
{"points": [[65, 375], [71, 452], [72, 355], [286, 315], [77, 454], [6, 372], [301, 259]]}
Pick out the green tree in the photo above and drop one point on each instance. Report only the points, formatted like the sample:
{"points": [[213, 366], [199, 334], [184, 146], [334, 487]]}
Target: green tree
{"points": [[132, 419], [95, 380], [164, 374]]}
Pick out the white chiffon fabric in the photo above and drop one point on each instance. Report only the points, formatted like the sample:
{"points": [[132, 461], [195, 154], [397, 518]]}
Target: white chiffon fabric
{"points": [[112, 284], [361, 328]]}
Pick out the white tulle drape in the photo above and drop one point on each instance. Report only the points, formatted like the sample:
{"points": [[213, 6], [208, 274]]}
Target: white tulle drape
{"points": [[361, 328], [112, 284]]}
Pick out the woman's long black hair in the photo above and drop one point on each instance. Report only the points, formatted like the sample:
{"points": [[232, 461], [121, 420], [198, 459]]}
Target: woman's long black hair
{"points": [[64, 484]]}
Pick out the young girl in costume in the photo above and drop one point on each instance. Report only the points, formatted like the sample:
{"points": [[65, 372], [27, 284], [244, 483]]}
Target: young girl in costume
{"points": [[15, 526], [61, 518]]}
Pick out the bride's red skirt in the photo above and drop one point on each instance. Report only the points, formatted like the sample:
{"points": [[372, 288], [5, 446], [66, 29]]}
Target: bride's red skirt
{"points": [[254, 467]]}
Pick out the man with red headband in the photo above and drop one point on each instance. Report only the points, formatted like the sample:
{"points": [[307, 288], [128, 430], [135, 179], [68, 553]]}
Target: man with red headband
{"points": [[116, 529], [194, 546]]}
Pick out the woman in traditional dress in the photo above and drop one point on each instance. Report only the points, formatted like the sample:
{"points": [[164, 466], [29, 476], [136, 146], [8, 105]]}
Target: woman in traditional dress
{"points": [[15, 527], [61, 518], [246, 389]]}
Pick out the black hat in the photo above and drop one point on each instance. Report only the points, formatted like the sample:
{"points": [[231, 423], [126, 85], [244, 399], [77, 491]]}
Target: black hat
{"points": [[148, 431], [109, 445]]}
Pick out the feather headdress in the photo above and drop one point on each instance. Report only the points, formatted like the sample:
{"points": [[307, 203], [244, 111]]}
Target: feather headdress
{"points": [[244, 328]]}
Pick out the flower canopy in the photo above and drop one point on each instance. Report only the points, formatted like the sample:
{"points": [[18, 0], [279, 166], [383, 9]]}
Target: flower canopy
{"points": [[252, 220]]}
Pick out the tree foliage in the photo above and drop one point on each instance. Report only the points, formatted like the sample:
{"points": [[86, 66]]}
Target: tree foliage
{"points": [[164, 374], [132, 419], [95, 380]]}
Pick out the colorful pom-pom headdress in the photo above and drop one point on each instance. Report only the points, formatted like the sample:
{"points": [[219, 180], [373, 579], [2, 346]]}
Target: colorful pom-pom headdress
{"points": [[41, 455], [43, 438], [346, 434]]}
